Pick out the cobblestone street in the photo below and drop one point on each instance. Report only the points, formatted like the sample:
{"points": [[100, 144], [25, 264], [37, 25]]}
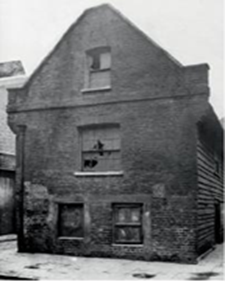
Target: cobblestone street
{"points": [[44, 266]]}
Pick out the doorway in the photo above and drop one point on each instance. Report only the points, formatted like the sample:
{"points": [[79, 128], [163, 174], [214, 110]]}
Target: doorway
{"points": [[218, 223]]}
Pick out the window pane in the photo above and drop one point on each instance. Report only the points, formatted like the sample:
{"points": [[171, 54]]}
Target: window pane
{"points": [[101, 149], [128, 234], [128, 215], [95, 62], [101, 161], [105, 60], [71, 220], [111, 143], [109, 136], [99, 79], [135, 215], [123, 215], [99, 143]]}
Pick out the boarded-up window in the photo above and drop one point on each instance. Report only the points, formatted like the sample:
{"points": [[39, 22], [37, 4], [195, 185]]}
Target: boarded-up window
{"points": [[71, 220], [127, 223], [99, 65], [101, 149]]}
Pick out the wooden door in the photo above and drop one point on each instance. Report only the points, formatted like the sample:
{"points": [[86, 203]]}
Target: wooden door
{"points": [[7, 203]]}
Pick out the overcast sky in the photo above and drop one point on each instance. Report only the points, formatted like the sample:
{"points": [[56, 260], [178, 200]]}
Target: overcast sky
{"points": [[190, 30]]}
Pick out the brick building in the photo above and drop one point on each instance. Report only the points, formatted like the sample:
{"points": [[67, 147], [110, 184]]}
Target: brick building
{"points": [[11, 74], [119, 153]]}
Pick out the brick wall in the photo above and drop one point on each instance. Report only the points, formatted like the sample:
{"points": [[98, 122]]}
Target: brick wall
{"points": [[151, 101]]}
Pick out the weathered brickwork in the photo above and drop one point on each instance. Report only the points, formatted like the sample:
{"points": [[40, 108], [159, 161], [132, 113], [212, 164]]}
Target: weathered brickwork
{"points": [[155, 101]]}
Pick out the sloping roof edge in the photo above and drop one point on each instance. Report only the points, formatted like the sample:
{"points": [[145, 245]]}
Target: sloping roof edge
{"points": [[11, 68], [213, 113], [170, 57], [210, 113], [143, 34]]}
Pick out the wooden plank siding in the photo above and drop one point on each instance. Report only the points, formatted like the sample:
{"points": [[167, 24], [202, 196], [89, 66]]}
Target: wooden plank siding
{"points": [[210, 191]]}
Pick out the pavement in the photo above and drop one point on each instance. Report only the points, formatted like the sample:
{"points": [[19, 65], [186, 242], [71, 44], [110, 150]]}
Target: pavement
{"points": [[23, 266]]}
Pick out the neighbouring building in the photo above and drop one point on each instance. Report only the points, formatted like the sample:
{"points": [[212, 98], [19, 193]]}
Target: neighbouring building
{"points": [[11, 74], [222, 122], [119, 153]]}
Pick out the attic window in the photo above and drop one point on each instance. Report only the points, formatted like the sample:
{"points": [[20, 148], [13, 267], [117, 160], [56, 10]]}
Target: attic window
{"points": [[98, 68]]}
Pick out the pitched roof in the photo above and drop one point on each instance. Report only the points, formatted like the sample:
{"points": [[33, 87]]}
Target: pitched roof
{"points": [[12, 74], [12, 68]]}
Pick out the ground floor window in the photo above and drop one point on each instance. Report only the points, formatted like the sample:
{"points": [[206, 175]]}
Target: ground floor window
{"points": [[127, 223], [71, 220]]}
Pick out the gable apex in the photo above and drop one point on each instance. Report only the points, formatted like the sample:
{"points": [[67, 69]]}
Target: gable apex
{"points": [[133, 26], [76, 23], [137, 29]]}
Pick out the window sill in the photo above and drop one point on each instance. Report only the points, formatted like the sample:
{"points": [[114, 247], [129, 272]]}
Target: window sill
{"points": [[99, 70], [99, 89], [70, 238], [102, 173], [128, 245]]}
